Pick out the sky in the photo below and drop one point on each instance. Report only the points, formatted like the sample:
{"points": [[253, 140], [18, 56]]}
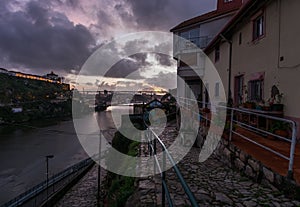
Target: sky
{"points": [[38, 36]]}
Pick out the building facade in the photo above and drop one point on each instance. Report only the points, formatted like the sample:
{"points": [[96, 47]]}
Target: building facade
{"points": [[190, 37], [257, 55]]}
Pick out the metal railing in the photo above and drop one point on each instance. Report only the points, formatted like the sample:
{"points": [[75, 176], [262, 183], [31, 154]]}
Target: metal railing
{"points": [[255, 117], [36, 196], [192, 43], [152, 147]]}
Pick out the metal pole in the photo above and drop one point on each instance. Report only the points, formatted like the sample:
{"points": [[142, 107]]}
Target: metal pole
{"points": [[47, 174], [231, 125], [99, 172], [47, 167], [292, 152], [163, 192], [154, 146]]}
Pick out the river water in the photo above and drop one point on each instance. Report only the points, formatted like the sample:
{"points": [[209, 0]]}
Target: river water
{"points": [[23, 150]]}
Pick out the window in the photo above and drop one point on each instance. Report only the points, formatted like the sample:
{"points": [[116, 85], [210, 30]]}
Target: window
{"points": [[226, 1], [217, 89], [206, 91], [258, 27], [217, 53], [192, 35], [255, 90], [238, 89], [240, 38]]}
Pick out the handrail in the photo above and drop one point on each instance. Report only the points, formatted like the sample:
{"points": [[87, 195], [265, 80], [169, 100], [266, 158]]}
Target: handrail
{"points": [[165, 191], [34, 191], [187, 103]]}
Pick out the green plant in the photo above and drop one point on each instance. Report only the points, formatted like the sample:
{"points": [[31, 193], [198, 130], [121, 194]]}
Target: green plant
{"points": [[279, 125]]}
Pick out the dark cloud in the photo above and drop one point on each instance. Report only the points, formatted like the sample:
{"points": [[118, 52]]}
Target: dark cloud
{"points": [[40, 38], [164, 60], [89, 84], [162, 15], [69, 3], [164, 80], [104, 85], [131, 47], [124, 13], [129, 67]]}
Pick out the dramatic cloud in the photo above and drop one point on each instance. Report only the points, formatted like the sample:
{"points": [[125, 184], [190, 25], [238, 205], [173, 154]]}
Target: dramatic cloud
{"points": [[38, 35], [164, 60], [129, 67], [162, 15], [40, 38], [164, 80]]}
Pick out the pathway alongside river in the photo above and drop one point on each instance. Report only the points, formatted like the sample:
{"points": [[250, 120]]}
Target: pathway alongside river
{"points": [[213, 184]]}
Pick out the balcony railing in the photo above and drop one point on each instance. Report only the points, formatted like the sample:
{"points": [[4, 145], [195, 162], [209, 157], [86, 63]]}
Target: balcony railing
{"points": [[182, 44]]}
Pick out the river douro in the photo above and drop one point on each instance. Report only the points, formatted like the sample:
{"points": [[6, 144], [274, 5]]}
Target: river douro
{"points": [[23, 150]]}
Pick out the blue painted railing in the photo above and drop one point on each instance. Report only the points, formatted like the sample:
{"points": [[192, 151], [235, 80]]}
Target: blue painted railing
{"points": [[153, 139]]}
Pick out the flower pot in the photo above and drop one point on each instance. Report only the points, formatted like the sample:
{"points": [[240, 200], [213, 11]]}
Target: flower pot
{"points": [[249, 105], [281, 133], [277, 107], [266, 108]]}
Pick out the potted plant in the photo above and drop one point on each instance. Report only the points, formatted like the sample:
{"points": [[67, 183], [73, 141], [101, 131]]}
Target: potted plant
{"points": [[277, 102], [249, 105], [280, 128]]}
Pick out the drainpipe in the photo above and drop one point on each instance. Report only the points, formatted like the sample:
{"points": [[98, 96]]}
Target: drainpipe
{"points": [[229, 99]]}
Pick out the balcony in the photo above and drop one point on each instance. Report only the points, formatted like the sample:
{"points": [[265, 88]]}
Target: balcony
{"points": [[182, 45]]}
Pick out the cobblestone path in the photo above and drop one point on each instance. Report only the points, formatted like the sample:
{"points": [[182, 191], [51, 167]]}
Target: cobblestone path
{"points": [[213, 184], [83, 193]]}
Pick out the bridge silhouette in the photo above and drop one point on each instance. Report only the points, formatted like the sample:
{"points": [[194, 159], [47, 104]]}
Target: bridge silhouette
{"points": [[102, 99]]}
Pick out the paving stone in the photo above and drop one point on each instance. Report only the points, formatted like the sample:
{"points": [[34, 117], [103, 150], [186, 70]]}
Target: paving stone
{"points": [[250, 204], [223, 198], [254, 165], [239, 164], [268, 174]]}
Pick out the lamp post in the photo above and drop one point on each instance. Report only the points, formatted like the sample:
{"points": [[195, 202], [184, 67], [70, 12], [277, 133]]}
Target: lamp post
{"points": [[47, 172]]}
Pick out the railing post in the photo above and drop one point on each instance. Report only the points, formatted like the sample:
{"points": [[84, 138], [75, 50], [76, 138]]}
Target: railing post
{"points": [[292, 151], [99, 173], [154, 148], [231, 125], [163, 177]]}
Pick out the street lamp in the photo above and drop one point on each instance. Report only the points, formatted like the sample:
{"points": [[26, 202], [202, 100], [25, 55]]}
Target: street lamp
{"points": [[47, 172]]}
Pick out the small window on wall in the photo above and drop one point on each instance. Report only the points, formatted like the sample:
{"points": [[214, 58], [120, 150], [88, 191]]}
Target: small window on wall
{"points": [[217, 89], [255, 90], [226, 1], [217, 53], [258, 27]]}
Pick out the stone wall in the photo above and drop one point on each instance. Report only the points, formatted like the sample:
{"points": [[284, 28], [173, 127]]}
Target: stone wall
{"points": [[254, 169]]}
